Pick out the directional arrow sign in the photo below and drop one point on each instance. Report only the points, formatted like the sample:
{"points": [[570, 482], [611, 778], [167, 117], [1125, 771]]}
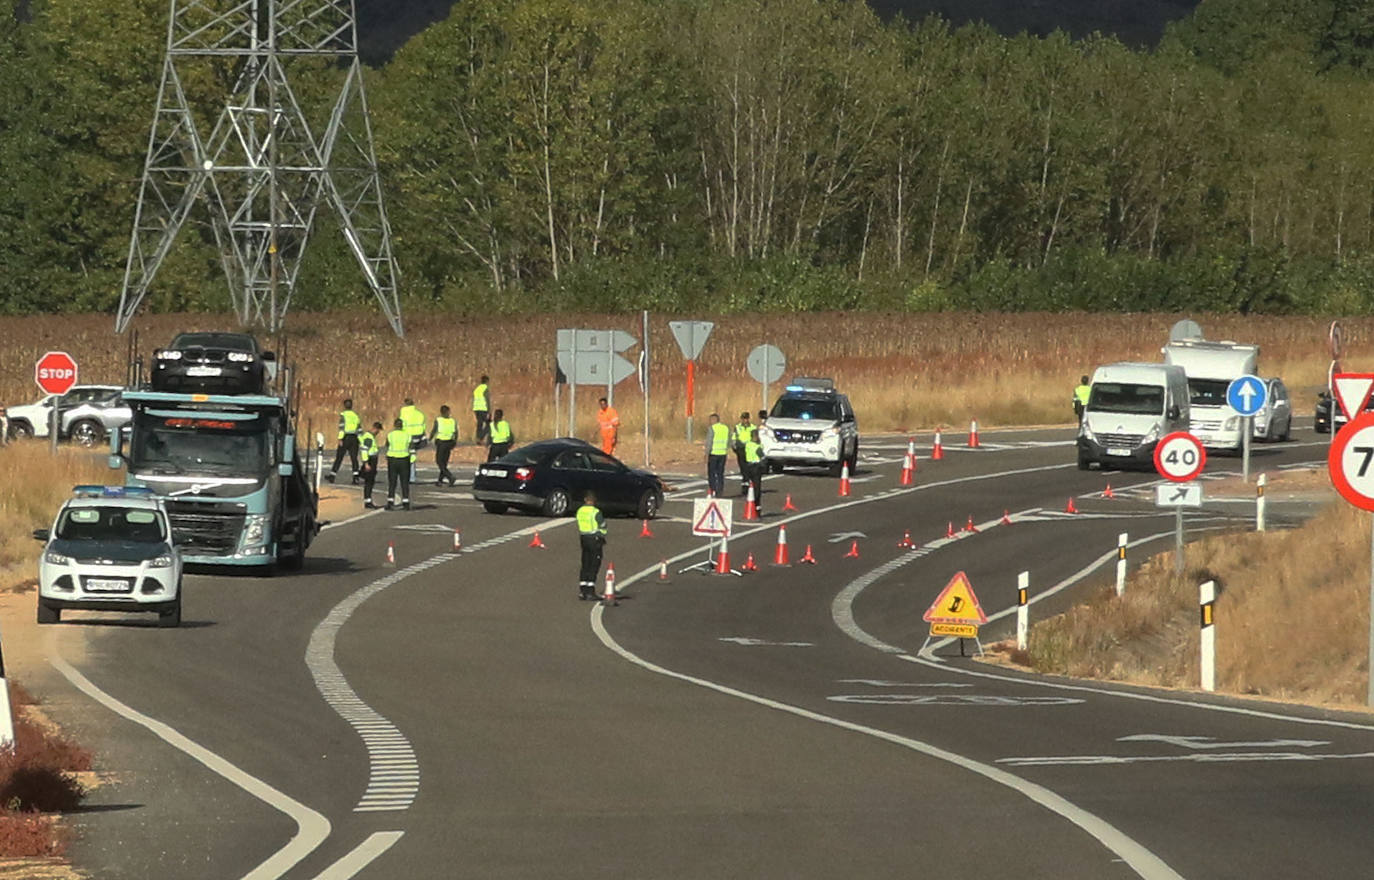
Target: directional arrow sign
{"points": [[1179, 495], [1247, 395], [592, 341], [592, 368]]}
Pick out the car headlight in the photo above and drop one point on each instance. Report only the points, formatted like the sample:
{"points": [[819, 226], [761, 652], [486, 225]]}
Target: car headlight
{"points": [[830, 432], [168, 355], [765, 431], [56, 558], [1150, 436], [254, 527], [1085, 432], [240, 357], [164, 561]]}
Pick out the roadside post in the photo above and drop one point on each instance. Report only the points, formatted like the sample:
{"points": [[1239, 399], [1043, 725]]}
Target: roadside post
{"points": [[691, 338], [55, 373], [1259, 501], [1348, 463], [1246, 395], [1121, 540], [1022, 611], [1207, 597], [766, 364], [1179, 458]]}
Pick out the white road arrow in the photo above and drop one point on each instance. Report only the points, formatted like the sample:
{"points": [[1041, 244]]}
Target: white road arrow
{"points": [[754, 643], [838, 537], [1207, 742]]}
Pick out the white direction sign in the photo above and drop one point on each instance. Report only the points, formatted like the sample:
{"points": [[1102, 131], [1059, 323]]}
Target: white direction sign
{"points": [[712, 517], [590, 341], [1179, 495], [587, 357], [1247, 394], [1351, 391], [691, 336], [766, 363], [1179, 457]]}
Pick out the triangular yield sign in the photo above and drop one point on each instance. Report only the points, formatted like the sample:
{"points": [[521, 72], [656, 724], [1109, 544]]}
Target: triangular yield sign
{"points": [[956, 604], [711, 521], [1352, 391]]}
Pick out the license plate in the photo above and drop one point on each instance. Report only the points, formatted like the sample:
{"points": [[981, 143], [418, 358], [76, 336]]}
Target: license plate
{"points": [[107, 585], [495, 472], [1118, 452], [203, 371]]}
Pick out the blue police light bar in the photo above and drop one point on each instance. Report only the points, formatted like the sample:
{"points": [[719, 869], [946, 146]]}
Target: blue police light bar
{"points": [[92, 491], [794, 388]]}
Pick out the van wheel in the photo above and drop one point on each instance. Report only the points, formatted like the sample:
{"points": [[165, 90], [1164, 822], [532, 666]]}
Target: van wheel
{"points": [[1083, 463]]}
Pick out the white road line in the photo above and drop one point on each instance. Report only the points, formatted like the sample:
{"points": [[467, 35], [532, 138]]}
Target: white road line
{"points": [[311, 827], [361, 856]]}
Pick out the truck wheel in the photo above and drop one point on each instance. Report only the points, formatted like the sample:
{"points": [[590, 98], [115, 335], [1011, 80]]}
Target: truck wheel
{"points": [[47, 613], [171, 617], [87, 433], [295, 560]]}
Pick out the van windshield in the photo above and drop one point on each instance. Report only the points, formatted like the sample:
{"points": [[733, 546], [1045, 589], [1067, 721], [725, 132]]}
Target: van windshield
{"points": [[1207, 392], [1121, 397]]}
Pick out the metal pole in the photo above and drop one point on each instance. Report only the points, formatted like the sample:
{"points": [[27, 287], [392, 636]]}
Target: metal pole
{"points": [[644, 332], [1259, 501], [53, 421], [691, 395], [1178, 540], [1248, 426], [557, 394], [610, 369], [572, 392], [1369, 698]]}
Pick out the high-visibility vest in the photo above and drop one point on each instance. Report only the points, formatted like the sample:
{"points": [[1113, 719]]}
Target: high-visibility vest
{"points": [[1082, 392], [479, 398], [367, 446], [608, 419], [500, 432], [744, 433], [445, 429], [349, 423], [720, 439], [397, 444], [752, 451], [413, 420], [590, 521]]}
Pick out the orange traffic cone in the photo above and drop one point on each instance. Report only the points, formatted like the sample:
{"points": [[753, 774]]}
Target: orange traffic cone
{"points": [[609, 597], [1108, 493], [937, 451], [536, 542], [1006, 517], [390, 552], [853, 550], [907, 466], [969, 526], [663, 571], [749, 563], [723, 557], [780, 555], [906, 543], [973, 435], [807, 558], [1069, 508], [911, 447], [844, 480], [949, 530], [457, 540], [788, 505], [644, 530], [751, 509]]}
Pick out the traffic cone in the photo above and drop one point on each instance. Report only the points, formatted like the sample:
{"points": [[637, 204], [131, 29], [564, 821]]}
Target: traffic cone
{"points": [[609, 597], [853, 550], [807, 558], [949, 530], [906, 470], [644, 530], [749, 563], [390, 552], [723, 557], [788, 505], [937, 451], [844, 480], [536, 542], [663, 571], [457, 540], [911, 447], [751, 509], [1069, 508], [906, 543], [969, 526], [973, 435], [780, 555], [1108, 493], [1006, 517]]}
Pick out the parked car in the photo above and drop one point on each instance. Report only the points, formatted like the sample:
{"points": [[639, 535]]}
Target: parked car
{"points": [[551, 476], [1321, 417], [87, 412], [110, 549], [228, 363], [1275, 421]]}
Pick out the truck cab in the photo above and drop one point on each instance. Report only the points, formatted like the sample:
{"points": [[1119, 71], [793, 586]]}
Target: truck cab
{"points": [[1130, 407], [1211, 367]]}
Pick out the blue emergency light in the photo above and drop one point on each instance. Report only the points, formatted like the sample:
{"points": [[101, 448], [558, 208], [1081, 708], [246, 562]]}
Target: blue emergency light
{"points": [[91, 491]]}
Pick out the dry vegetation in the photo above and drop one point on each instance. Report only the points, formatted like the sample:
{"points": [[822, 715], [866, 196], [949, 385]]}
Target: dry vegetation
{"points": [[34, 487]]}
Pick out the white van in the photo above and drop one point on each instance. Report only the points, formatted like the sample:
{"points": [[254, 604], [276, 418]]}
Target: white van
{"points": [[1131, 406], [1211, 367]]}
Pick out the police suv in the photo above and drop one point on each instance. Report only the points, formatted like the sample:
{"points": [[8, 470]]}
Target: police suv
{"points": [[110, 549], [810, 425]]}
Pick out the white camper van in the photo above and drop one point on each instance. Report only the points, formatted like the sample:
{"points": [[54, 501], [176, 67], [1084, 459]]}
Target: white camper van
{"points": [[1131, 406], [1211, 366]]}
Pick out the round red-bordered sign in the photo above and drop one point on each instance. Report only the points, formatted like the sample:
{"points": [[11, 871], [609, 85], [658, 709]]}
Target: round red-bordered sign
{"points": [[1179, 457], [1351, 461]]}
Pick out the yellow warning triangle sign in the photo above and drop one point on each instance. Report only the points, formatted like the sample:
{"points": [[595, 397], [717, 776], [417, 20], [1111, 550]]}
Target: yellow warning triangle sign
{"points": [[956, 604]]}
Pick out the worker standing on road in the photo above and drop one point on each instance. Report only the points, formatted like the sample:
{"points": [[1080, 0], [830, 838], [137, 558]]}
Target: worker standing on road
{"points": [[591, 534], [1080, 398], [399, 461], [744, 432], [367, 449], [608, 420], [753, 471], [717, 447], [445, 437], [499, 436], [481, 407], [413, 421], [350, 423]]}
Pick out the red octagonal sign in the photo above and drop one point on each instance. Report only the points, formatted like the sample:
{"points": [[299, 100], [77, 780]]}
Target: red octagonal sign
{"points": [[55, 372]]}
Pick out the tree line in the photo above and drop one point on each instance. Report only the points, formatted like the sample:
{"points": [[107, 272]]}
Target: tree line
{"points": [[759, 154]]}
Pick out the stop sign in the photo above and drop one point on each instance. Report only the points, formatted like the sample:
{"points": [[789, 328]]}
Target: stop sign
{"points": [[55, 372]]}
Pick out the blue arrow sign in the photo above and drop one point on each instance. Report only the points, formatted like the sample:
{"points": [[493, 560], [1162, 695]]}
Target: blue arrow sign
{"points": [[1247, 395]]}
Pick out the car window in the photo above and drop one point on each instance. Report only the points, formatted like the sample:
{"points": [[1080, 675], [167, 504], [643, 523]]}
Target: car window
{"points": [[601, 462], [571, 460], [110, 524], [817, 409]]}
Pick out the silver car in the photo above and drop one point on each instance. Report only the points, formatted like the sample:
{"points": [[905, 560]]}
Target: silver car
{"points": [[88, 414], [1275, 421]]}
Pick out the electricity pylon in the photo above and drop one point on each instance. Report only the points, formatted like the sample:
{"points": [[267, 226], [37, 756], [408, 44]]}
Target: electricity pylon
{"points": [[264, 169]]}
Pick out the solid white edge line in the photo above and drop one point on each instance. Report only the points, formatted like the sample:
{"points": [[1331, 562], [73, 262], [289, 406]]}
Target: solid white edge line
{"points": [[361, 856], [312, 828], [1141, 860]]}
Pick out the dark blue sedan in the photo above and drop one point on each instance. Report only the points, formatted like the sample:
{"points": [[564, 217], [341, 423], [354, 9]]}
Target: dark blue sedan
{"points": [[552, 476]]}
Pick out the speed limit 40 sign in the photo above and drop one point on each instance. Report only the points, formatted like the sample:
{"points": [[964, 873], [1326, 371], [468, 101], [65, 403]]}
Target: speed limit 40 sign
{"points": [[1351, 461], [1179, 457]]}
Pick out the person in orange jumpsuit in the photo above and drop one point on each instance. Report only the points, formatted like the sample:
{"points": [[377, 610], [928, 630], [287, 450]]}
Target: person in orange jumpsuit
{"points": [[609, 421]]}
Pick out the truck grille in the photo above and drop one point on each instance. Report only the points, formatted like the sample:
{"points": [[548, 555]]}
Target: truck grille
{"points": [[197, 529], [1120, 441], [785, 436]]}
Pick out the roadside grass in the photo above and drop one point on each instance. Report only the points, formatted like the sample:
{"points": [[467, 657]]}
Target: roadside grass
{"points": [[1291, 617], [37, 781], [35, 485]]}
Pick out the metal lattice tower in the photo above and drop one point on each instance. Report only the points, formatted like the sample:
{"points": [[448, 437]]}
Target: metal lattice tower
{"points": [[264, 169]]}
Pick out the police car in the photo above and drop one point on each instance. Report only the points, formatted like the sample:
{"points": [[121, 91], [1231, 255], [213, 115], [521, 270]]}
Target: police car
{"points": [[811, 425], [110, 549]]}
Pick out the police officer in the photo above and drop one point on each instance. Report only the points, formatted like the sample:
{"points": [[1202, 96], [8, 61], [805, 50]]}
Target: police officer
{"points": [[445, 437], [591, 533], [717, 447], [413, 421], [753, 470], [743, 433], [350, 424], [499, 436], [481, 408], [367, 449], [1080, 398], [399, 461]]}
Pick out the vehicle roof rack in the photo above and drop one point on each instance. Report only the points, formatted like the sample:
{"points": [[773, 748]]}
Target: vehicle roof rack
{"points": [[810, 383]]}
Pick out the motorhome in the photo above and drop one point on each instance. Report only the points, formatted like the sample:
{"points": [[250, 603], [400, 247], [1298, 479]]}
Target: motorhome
{"points": [[1211, 367], [1130, 407]]}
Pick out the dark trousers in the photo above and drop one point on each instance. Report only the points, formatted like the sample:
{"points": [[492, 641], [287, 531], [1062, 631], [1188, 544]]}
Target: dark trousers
{"points": [[497, 450], [754, 474], [442, 450], [715, 474], [1078, 411], [397, 470], [483, 420], [348, 445], [743, 465], [369, 475], [592, 546]]}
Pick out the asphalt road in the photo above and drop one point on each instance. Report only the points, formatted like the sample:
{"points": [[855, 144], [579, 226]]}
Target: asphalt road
{"points": [[462, 714]]}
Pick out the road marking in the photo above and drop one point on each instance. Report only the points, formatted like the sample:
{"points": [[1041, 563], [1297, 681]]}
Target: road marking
{"points": [[951, 700], [312, 828], [873, 682], [1208, 742], [753, 643], [1195, 758], [360, 856], [840, 537]]}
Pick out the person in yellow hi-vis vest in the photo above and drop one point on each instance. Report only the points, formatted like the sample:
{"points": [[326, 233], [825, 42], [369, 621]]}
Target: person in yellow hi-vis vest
{"points": [[499, 436], [350, 425], [591, 536], [398, 464], [1080, 398], [481, 408], [445, 437], [367, 449], [413, 422], [717, 448]]}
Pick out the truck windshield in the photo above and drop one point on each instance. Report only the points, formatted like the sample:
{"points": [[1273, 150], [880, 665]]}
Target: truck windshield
{"points": [[1207, 392], [812, 409], [1120, 397], [199, 444]]}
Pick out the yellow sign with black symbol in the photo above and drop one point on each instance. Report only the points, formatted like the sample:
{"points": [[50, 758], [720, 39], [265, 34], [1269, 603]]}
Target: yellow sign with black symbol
{"points": [[956, 604]]}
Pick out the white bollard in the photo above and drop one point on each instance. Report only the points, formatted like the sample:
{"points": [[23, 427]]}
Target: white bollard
{"points": [[1259, 502], [1022, 611], [1207, 595], [1121, 540]]}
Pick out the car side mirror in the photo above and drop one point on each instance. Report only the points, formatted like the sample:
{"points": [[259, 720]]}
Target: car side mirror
{"points": [[268, 356], [40, 535], [1173, 412], [115, 461], [286, 469]]}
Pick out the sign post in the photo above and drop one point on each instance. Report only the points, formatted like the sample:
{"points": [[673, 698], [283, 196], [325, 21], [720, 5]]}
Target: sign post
{"points": [[1179, 458], [691, 338], [766, 363], [1247, 395], [1349, 463], [55, 373]]}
